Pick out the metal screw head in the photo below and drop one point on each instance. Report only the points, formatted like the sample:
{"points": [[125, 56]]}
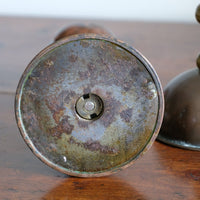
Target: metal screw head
{"points": [[89, 106]]}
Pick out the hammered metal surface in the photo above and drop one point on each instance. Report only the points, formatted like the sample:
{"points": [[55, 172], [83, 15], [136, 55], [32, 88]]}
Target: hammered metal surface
{"points": [[57, 77]]}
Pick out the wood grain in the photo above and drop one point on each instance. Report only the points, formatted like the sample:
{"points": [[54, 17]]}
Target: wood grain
{"points": [[171, 48], [162, 173]]}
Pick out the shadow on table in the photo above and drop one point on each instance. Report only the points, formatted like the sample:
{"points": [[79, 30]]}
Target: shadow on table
{"points": [[93, 188]]}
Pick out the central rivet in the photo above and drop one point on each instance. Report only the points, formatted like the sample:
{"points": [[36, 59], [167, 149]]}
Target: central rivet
{"points": [[89, 106]]}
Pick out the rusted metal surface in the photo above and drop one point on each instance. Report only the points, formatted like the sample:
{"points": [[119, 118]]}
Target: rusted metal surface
{"points": [[83, 64]]}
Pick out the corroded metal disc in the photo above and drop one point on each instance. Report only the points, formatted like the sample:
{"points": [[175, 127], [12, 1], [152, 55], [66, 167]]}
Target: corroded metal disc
{"points": [[118, 90]]}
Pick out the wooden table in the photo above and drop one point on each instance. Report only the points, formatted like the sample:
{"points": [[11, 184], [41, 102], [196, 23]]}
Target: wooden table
{"points": [[164, 172]]}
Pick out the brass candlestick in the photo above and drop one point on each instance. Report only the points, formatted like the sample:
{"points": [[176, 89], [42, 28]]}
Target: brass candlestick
{"points": [[181, 124]]}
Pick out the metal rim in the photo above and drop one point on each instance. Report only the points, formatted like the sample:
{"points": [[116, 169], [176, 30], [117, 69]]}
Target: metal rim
{"points": [[132, 51], [179, 144]]}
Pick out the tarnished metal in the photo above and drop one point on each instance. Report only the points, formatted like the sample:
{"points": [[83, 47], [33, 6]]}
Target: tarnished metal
{"points": [[198, 61], [182, 111], [198, 13], [89, 106], [84, 74]]}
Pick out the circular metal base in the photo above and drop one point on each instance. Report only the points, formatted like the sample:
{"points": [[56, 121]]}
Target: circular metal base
{"points": [[121, 89]]}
